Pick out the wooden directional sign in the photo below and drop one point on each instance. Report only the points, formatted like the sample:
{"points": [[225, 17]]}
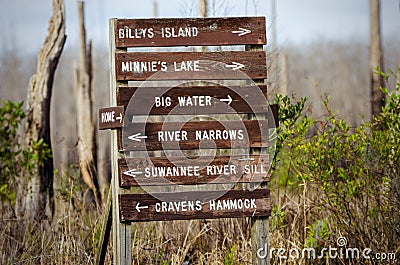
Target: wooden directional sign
{"points": [[189, 135], [138, 66], [185, 32], [194, 100], [194, 205], [111, 118], [190, 171]]}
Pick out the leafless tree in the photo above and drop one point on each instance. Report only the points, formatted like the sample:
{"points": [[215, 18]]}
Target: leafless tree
{"points": [[40, 188], [376, 58], [85, 116]]}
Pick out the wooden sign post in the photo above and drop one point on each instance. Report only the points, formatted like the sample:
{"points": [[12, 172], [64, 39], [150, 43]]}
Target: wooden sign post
{"points": [[130, 137]]}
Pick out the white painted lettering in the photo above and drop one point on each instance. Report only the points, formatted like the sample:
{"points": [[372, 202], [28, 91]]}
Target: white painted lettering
{"points": [[221, 170], [107, 117], [198, 101], [162, 101], [167, 32], [172, 136], [208, 100], [150, 33], [125, 67], [240, 204], [253, 203], [164, 66], [219, 135], [171, 207], [121, 33], [190, 205], [179, 32], [232, 204], [136, 67], [147, 172], [198, 135], [198, 206], [184, 206], [212, 205], [195, 32], [226, 204], [140, 67], [174, 35], [255, 169], [187, 66], [196, 65], [179, 171], [178, 206], [160, 136], [219, 205]]}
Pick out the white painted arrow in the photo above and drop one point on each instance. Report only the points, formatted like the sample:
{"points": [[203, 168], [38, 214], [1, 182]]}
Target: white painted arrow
{"points": [[241, 31], [235, 66], [132, 173], [119, 118], [138, 208], [227, 100], [137, 137]]}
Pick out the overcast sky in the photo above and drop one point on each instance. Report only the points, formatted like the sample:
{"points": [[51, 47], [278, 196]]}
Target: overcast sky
{"points": [[24, 22]]}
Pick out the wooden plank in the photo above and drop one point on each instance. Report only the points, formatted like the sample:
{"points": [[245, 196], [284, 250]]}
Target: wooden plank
{"points": [[193, 135], [233, 65], [194, 205], [192, 171], [122, 248], [259, 224], [111, 118], [193, 100], [190, 31]]}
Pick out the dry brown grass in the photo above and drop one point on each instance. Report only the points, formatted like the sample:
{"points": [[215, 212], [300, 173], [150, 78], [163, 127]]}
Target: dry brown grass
{"points": [[73, 235], [70, 238]]}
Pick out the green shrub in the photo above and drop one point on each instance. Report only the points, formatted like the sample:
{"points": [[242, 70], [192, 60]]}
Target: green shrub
{"points": [[15, 161], [347, 177], [11, 115]]}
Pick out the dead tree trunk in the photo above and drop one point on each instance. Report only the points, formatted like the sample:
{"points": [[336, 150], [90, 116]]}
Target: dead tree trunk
{"points": [[86, 125], [39, 197], [376, 58], [203, 12], [203, 6], [284, 75]]}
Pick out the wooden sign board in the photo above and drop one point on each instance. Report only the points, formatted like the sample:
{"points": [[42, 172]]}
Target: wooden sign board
{"points": [[188, 135], [111, 118], [192, 171], [194, 100], [194, 205], [189, 31], [139, 66]]}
